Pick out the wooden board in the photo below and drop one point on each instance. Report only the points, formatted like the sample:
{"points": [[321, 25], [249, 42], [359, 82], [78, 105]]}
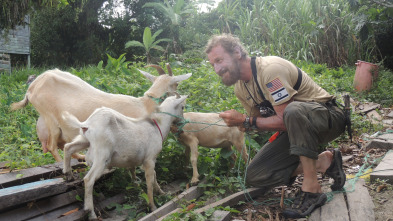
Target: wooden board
{"points": [[384, 170], [233, 199], [192, 193], [40, 207], [17, 195], [360, 203], [31, 191], [34, 174], [334, 210], [80, 214], [379, 143], [220, 215]]}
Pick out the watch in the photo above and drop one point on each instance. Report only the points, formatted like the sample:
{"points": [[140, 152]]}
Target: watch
{"points": [[246, 123]]}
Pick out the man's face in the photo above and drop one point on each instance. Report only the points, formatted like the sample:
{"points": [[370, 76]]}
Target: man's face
{"points": [[225, 65]]}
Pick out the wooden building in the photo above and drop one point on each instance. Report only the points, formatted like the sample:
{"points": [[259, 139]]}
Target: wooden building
{"points": [[16, 41]]}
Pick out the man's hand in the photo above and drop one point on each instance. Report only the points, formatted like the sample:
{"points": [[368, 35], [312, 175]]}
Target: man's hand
{"points": [[233, 118]]}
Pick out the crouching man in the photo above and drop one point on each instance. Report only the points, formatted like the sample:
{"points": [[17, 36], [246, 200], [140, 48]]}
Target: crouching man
{"points": [[278, 96]]}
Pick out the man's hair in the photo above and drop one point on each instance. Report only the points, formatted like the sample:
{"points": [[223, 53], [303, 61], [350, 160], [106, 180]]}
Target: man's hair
{"points": [[228, 42]]}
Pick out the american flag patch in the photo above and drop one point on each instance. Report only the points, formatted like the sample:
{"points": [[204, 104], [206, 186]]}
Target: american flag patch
{"points": [[274, 85]]}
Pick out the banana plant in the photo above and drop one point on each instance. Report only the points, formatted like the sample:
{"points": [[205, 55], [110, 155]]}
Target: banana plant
{"points": [[149, 42]]}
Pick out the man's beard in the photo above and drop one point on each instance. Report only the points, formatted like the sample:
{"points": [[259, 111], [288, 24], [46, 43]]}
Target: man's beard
{"points": [[233, 74]]}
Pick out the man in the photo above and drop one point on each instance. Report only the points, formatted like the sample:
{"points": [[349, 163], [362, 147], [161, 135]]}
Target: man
{"points": [[278, 96]]}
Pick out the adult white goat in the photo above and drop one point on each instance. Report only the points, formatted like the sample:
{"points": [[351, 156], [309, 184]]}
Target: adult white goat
{"points": [[56, 91], [203, 129], [114, 140]]}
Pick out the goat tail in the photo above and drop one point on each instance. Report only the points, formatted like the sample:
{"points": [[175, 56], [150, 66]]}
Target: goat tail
{"points": [[21, 104], [70, 120]]}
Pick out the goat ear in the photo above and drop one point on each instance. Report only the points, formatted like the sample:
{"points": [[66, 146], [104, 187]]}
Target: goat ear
{"points": [[179, 78], [152, 78], [181, 99]]}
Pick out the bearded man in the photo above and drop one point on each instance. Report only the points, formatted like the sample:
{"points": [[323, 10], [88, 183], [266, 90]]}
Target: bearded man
{"points": [[278, 96]]}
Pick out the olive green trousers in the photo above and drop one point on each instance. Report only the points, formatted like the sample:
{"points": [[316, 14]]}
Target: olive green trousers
{"points": [[309, 125]]}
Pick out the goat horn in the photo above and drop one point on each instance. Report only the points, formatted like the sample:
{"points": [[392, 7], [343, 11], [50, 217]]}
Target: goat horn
{"points": [[169, 69], [177, 95], [158, 68]]}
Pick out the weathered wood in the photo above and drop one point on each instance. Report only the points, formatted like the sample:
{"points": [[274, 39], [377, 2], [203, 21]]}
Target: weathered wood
{"points": [[378, 143], [384, 170], [336, 209], [31, 191], [360, 203], [80, 214], [192, 193], [17, 195], [45, 205], [56, 214], [233, 199], [34, 174], [220, 215]]}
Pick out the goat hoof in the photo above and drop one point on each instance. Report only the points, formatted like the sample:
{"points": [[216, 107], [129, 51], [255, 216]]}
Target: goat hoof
{"points": [[69, 177]]}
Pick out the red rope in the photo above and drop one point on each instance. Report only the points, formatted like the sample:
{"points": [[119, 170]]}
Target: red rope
{"points": [[159, 129]]}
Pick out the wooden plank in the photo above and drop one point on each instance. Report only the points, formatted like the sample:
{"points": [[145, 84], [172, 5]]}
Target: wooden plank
{"points": [[220, 215], [360, 203], [33, 209], [379, 143], [34, 174], [233, 199], [55, 214], [79, 215], [384, 170], [336, 209], [17, 195], [192, 193], [31, 191]]}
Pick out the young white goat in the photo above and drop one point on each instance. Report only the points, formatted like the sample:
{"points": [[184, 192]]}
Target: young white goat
{"points": [[114, 140], [56, 91], [202, 129]]}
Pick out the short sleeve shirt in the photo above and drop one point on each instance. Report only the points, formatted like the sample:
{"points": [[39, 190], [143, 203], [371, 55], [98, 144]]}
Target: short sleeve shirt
{"points": [[277, 77]]}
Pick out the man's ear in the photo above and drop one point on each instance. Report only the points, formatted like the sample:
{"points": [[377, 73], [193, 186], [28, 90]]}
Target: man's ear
{"points": [[237, 53]]}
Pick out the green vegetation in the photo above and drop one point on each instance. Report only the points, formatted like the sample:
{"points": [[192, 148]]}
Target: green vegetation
{"points": [[104, 47], [20, 145]]}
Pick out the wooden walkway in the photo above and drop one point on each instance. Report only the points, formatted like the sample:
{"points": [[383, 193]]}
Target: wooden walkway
{"points": [[354, 205], [55, 199]]}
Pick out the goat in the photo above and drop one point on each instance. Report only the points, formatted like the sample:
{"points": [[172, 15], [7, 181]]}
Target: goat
{"points": [[196, 131], [114, 140], [55, 91]]}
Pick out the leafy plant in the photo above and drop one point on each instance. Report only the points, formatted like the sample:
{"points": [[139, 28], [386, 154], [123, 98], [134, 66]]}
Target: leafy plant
{"points": [[149, 42]]}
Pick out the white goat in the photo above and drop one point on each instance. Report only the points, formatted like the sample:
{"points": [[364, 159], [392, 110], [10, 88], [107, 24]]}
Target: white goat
{"points": [[56, 91], [202, 129], [114, 140]]}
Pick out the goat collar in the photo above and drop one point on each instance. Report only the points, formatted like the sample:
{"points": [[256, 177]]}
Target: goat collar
{"points": [[155, 122], [158, 100]]}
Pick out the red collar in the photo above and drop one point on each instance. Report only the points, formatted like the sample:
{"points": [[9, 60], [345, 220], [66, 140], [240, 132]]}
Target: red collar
{"points": [[159, 129]]}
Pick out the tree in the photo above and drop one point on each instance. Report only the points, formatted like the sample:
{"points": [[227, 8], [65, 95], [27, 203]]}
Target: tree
{"points": [[13, 12], [149, 42], [175, 13]]}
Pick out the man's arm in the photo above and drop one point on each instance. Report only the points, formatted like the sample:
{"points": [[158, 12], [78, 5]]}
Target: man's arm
{"points": [[274, 123]]}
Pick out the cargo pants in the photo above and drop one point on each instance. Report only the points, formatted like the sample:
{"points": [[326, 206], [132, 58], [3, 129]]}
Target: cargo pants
{"points": [[309, 126]]}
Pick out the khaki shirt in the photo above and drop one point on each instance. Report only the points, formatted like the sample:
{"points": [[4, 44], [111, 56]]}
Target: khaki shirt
{"points": [[276, 77]]}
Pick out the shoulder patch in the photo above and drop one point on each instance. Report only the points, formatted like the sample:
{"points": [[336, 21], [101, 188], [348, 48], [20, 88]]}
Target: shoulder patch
{"points": [[277, 90]]}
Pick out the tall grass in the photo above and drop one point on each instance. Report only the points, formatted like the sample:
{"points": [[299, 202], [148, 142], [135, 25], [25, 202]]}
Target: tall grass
{"points": [[320, 31]]}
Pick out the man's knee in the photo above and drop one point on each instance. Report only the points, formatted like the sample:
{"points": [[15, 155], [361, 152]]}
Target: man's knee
{"points": [[293, 110]]}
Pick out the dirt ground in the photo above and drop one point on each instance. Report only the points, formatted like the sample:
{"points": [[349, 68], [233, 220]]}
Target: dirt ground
{"points": [[268, 207]]}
